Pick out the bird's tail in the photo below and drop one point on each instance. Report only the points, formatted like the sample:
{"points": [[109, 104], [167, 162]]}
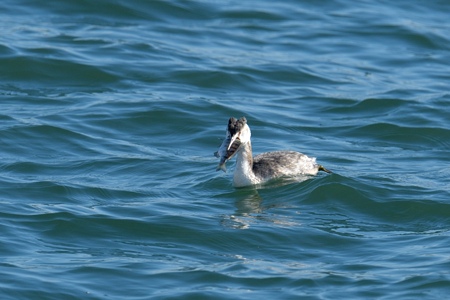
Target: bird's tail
{"points": [[322, 168]]}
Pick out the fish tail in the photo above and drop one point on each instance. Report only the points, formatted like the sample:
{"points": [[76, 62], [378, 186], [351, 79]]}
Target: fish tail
{"points": [[222, 167], [322, 168]]}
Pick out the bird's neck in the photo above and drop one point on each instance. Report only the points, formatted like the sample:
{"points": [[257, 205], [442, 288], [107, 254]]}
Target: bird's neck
{"points": [[243, 174]]}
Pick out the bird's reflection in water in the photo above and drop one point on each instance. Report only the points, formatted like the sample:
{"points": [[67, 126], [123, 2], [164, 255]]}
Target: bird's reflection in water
{"points": [[250, 204], [252, 209]]}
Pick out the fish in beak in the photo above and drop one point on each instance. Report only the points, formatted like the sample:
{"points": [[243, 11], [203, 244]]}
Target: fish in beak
{"points": [[231, 144]]}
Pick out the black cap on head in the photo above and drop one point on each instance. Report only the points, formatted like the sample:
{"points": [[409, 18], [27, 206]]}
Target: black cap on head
{"points": [[235, 125]]}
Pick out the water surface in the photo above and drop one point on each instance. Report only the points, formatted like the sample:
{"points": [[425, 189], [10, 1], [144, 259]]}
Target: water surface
{"points": [[111, 112]]}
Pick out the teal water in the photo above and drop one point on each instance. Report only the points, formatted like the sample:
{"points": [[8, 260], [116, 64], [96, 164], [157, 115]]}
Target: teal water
{"points": [[111, 112]]}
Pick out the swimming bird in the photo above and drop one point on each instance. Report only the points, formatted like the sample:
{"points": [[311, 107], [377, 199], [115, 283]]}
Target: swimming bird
{"points": [[263, 167]]}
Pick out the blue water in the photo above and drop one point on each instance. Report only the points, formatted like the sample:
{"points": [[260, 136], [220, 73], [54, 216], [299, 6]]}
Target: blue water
{"points": [[111, 112]]}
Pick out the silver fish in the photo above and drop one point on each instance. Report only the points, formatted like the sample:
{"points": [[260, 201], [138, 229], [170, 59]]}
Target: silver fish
{"points": [[226, 151]]}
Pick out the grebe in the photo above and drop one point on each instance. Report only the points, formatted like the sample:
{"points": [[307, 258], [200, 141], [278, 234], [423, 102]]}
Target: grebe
{"points": [[263, 167]]}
